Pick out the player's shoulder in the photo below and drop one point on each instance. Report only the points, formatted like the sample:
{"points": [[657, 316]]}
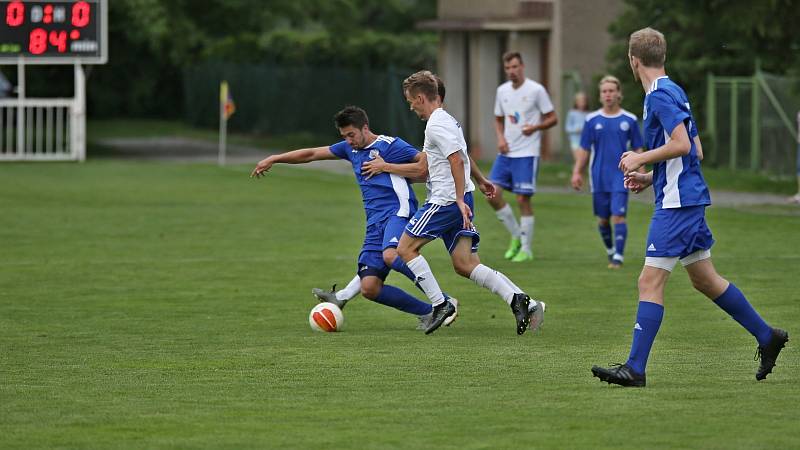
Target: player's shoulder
{"points": [[504, 88], [629, 115], [594, 114], [534, 85]]}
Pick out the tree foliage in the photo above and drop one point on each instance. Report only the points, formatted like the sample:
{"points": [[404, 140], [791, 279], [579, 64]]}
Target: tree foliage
{"points": [[724, 37], [152, 42]]}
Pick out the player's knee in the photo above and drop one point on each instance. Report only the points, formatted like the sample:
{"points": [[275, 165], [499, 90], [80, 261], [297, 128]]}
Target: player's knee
{"points": [[603, 222], [389, 255], [616, 220], [463, 267], [370, 290]]}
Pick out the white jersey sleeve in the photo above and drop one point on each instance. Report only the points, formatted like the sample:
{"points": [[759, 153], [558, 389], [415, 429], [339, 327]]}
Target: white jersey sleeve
{"points": [[498, 106], [443, 137], [543, 101]]}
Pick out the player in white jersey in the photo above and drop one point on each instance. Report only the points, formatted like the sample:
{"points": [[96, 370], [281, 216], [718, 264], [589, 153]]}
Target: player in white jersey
{"points": [[678, 229], [447, 213], [522, 111]]}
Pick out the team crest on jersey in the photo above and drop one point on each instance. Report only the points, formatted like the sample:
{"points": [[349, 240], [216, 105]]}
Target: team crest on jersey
{"points": [[374, 154], [514, 119], [624, 126], [599, 126]]}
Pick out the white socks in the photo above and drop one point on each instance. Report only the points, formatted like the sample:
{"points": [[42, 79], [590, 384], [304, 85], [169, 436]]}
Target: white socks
{"points": [[419, 266], [526, 232], [506, 215], [494, 281], [351, 290]]}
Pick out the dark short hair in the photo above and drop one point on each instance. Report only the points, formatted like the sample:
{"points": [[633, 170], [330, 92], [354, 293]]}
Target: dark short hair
{"points": [[351, 115], [440, 87], [508, 56]]}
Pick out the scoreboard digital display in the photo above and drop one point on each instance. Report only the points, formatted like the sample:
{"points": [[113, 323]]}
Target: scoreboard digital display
{"points": [[53, 32]]}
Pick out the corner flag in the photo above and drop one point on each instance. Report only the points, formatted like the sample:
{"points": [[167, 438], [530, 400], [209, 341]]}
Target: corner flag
{"points": [[226, 110], [227, 106]]}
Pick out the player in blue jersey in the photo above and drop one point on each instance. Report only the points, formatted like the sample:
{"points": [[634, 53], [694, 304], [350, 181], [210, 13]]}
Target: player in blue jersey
{"points": [[607, 134], [447, 213], [388, 202], [678, 229]]}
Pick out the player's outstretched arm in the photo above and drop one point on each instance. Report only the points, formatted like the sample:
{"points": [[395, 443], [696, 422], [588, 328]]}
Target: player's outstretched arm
{"points": [[302, 156], [457, 171], [416, 171]]}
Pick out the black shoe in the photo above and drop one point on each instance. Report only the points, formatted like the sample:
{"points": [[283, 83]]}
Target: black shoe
{"points": [[519, 306], [768, 354], [440, 313], [620, 374], [330, 297]]}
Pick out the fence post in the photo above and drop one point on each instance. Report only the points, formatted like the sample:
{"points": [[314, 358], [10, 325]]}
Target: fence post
{"points": [[734, 121], [755, 120], [711, 115]]}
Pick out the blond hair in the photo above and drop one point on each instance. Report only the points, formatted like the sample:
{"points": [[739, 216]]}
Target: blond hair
{"points": [[423, 82], [649, 46]]}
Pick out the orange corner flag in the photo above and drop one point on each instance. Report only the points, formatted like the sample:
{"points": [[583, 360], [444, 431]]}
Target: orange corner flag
{"points": [[226, 104]]}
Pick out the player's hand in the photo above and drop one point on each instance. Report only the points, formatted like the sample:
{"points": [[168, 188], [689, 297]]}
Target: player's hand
{"points": [[631, 162], [373, 167], [488, 188], [637, 181], [577, 181], [528, 130], [502, 146], [262, 168], [466, 213]]}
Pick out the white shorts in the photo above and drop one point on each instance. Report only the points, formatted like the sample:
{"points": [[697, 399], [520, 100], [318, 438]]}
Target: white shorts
{"points": [[667, 263]]}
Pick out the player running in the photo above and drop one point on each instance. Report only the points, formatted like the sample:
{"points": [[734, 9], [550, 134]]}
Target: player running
{"points": [[606, 135], [447, 214], [678, 229]]}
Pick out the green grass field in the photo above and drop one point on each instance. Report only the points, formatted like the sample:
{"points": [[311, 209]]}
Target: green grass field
{"points": [[147, 305]]}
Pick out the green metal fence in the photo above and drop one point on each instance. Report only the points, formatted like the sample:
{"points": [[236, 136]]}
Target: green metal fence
{"points": [[273, 100], [750, 122]]}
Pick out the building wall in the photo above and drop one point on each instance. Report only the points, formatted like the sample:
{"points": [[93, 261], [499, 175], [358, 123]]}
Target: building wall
{"points": [[585, 38], [476, 9]]}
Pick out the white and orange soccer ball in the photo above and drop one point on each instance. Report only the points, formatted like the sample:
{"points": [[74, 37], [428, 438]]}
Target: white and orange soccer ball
{"points": [[326, 317]]}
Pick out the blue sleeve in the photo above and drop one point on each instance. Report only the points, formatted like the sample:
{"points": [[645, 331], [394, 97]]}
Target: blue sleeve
{"points": [[586, 137], [400, 152], [667, 111], [341, 150], [636, 135]]}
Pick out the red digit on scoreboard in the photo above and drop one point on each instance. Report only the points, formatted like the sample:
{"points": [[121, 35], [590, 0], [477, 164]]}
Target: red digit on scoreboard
{"points": [[58, 39], [38, 41], [15, 14], [80, 14]]}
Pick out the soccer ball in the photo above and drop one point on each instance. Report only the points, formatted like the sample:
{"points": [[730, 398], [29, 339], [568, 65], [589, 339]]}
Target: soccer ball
{"points": [[326, 317]]}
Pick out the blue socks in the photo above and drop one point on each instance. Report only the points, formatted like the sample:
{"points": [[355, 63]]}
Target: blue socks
{"points": [[648, 320], [399, 299], [399, 265], [733, 302], [620, 235], [605, 233]]}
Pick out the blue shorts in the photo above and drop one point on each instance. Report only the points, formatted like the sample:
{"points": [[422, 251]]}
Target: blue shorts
{"points": [[436, 221], [678, 232], [517, 175], [379, 237], [607, 204]]}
